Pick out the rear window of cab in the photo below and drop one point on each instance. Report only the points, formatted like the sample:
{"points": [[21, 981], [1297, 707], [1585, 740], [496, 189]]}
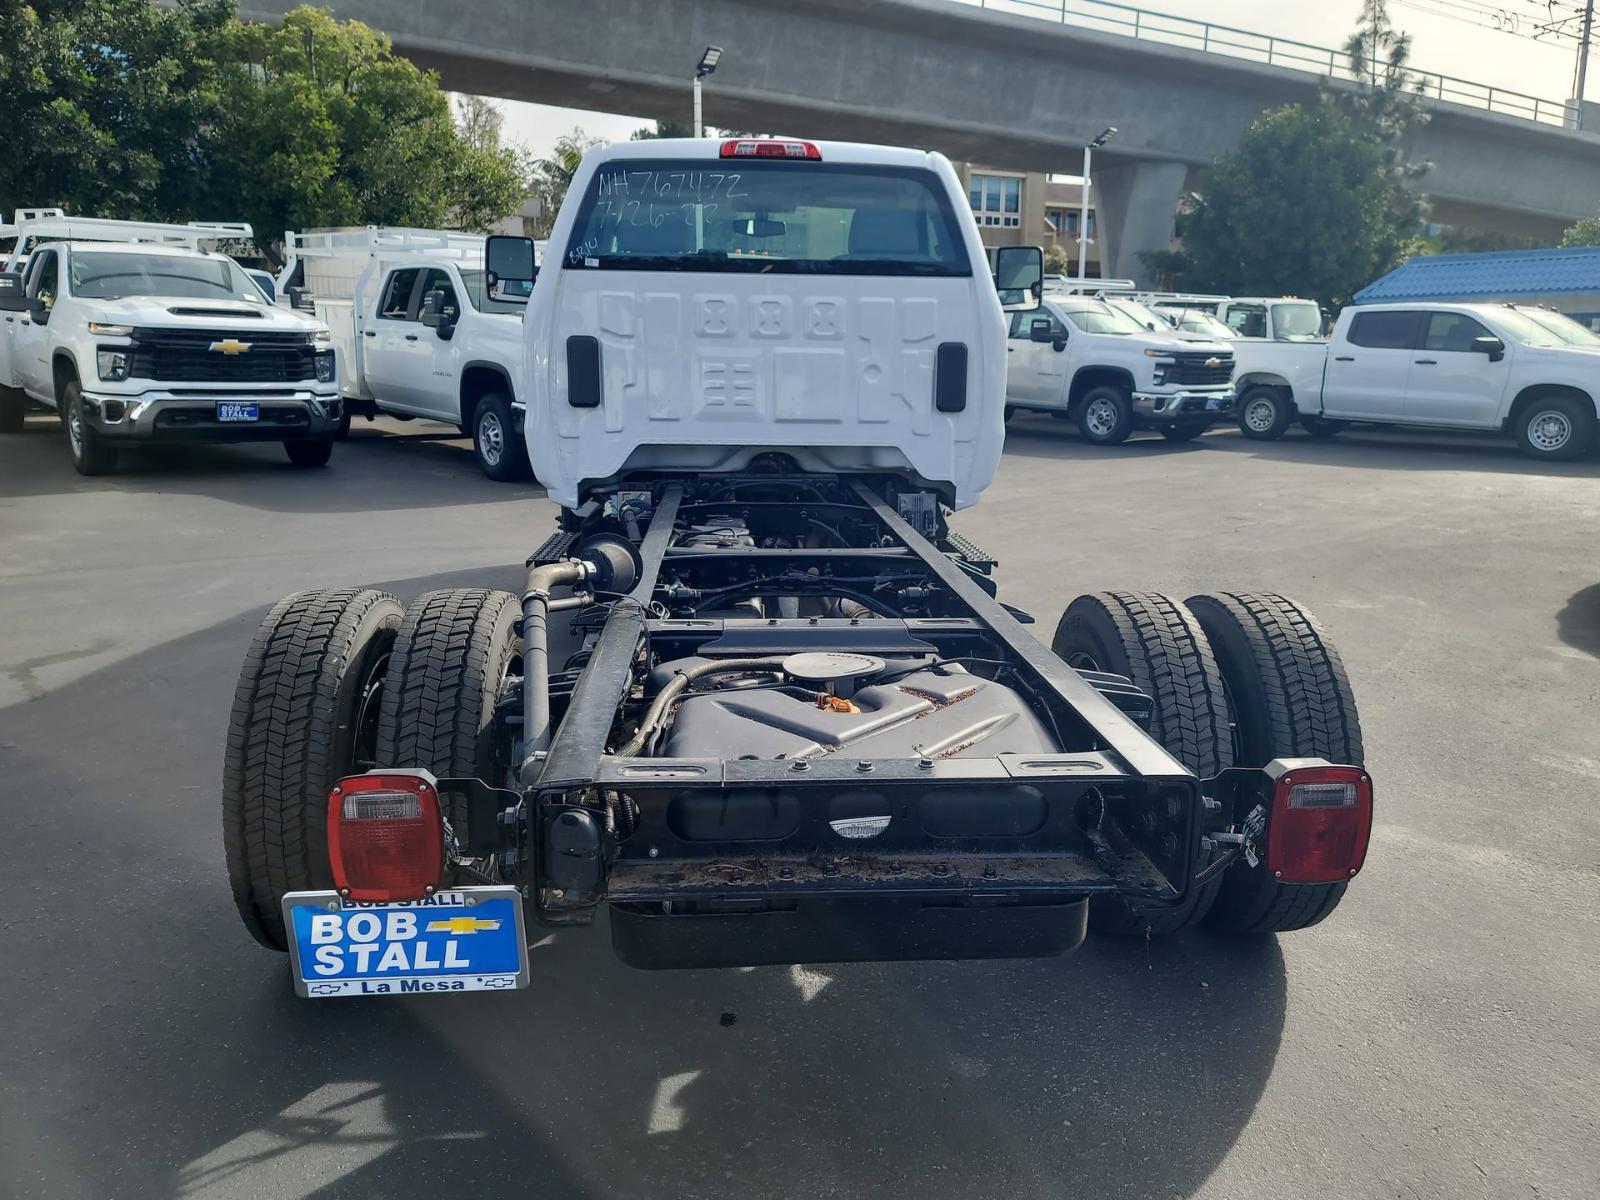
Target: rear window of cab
{"points": [[778, 217]]}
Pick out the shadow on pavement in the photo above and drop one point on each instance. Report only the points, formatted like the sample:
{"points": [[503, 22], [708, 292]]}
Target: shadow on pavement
{"points": [[154, 1050], [424, 465], [1374, 448], [1578, 623]]}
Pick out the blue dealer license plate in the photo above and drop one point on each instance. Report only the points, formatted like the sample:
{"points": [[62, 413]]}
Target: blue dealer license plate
{"points": [[239, 411], [1213, 403], [462, 940]]}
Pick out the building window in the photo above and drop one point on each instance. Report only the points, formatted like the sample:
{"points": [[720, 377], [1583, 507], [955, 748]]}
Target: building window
{"points": [[996, 200], [1070, 227]]}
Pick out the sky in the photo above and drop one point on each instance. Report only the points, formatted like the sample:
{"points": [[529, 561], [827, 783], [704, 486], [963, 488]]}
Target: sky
{"points": [[1450, 37]]}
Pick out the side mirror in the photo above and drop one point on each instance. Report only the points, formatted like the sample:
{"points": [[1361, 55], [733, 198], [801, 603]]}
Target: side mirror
{"points": [[1019, 277], [434, 316], [11, 295], [1039, 330], [508, 267], [1492, 346], [35, 307]]}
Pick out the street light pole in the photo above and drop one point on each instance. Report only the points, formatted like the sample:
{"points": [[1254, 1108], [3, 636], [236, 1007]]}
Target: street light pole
{"points": [[1583, 59], [708, 63], [1083, 210]]}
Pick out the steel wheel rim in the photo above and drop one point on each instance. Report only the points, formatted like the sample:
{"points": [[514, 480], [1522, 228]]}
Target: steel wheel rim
{"points": [[364, 743], [1100, 417], [1260, 414], [1550, 430], [1082, 660], [75, 431], [491, 438]]}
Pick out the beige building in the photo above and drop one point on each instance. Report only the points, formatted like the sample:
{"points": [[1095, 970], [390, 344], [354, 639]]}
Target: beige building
{"points": [[1015, 208]]}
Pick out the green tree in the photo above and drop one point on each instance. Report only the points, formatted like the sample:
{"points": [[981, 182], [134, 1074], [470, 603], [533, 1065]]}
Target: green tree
{"points": [[1315, 201], [662, 129], [107, 104], [325, 125], [553, 175], [1583, 233]]}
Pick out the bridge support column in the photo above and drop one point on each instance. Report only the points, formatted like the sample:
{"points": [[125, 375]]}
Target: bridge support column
{"points": [[1135, 205]]}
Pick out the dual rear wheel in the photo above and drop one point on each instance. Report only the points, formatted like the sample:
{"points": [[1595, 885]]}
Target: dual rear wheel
{"points": [[1238, 679], [334, 683]]}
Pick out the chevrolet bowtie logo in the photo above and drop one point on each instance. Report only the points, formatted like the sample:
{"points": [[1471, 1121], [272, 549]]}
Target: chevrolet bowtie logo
{"points": [[230, 346], [1210, 362], [462, 925]]}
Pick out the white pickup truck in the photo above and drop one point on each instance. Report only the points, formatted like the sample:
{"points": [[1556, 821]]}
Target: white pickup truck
{"points": [[136, 335], [1490, 367], [1083, 359], [419, 333]]}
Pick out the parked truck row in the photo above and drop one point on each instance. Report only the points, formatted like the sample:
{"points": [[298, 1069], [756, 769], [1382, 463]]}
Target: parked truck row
{"points": [[1527, 372]]}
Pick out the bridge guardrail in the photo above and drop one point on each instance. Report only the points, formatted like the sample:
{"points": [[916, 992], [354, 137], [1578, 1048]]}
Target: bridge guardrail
{"points": [[1105, 16]]}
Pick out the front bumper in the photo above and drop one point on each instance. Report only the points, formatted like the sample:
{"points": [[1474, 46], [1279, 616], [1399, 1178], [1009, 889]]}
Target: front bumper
{"points": [[285, 415], [1171, 406]]}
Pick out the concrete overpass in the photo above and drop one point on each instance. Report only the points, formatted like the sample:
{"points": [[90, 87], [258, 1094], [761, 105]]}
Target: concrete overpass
{"points": [[1011, 92]]}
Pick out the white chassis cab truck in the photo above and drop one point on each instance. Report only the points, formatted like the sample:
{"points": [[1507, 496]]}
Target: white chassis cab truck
{"points": [[757, 701], [418, 332], [1487, 367], [135, 335], [1088, 360], [1278, 351]]}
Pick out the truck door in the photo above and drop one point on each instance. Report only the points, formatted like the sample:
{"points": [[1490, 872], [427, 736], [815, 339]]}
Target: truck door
{"points": [[440, 389], [396, 356], [1450, 382], [1368, 368], [1036, 372], [31, 339]]}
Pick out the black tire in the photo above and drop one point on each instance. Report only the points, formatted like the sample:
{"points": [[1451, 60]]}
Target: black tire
{"points": [[13, 409], [1011, 411], [303, 716], [1291, 698], [1105, 415], [1156, 642], [307, 453], [1265, 412], [502, 454], [450, 661], [1323, 428], [343, 431], [1555, 429], [91, 454], [1184, 431]]}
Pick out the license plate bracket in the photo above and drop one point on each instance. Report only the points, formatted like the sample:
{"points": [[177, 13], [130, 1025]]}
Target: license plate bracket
{"points": [[458, 940], [238, 410]]}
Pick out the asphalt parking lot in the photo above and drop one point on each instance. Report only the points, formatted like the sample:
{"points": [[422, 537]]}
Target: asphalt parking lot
{"points": [[1437, 1037]]}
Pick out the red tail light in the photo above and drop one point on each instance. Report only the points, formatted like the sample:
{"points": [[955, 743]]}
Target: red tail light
{"points": [[1320, 823], [769, 148], [386, 835]]}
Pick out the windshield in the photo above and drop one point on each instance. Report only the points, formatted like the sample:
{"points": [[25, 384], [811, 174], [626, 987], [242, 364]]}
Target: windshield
{"points": [[1523, 328], [98, 275], [800, 217], [1194, 320], [1092, 316], [1569, 331], [1148, 317], [1297, 322]]}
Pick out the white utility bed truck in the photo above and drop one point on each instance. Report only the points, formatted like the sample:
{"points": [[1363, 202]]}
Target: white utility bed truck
{"points": [[1488, 367], [419, 332], [757, 702], [134, 334]]}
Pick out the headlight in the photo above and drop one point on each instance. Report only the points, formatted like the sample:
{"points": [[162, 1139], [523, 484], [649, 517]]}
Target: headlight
{"points": [[322, 335], [113, 364], [325, 367], [110, 330], [1158, 353]]}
